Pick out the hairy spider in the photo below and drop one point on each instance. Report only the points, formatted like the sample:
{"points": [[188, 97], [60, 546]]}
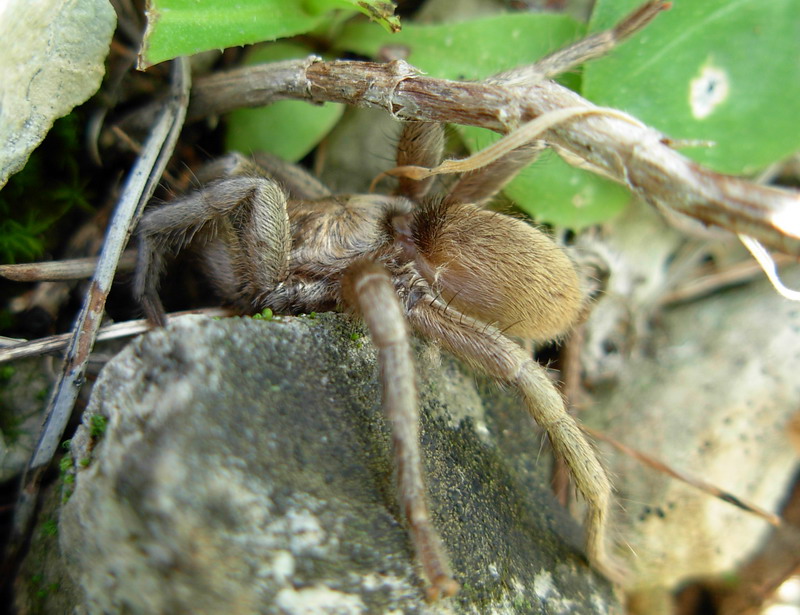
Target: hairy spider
{"points": [[272, 236], [451, 272]]}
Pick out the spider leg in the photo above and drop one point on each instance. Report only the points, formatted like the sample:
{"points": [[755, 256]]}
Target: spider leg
{"points": [[367, 287], [296, 182], [485, 348], [420, 144], [242, 219], [481, 185]]}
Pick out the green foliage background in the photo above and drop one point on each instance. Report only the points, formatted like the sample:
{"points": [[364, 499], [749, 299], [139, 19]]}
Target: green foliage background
{"points": [[32, 201], [720, 71]]}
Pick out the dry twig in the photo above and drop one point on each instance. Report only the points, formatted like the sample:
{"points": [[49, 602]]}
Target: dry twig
{"points": [[697, 483], [139, 188], [59, 271], [19, 349], [730, 276]]}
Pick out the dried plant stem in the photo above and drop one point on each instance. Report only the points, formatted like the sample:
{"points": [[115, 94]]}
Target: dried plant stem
{"points": [[139, 188], [527, 133], [630, 153], [593, 46], [58, 271], [142, 181], [702, 485], [19, 349], [730, 276]]}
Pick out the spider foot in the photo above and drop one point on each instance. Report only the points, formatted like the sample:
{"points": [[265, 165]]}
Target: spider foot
{"points": [[441, 587]]}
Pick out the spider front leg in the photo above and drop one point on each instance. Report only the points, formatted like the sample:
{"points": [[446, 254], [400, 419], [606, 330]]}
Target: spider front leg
{"points": [[367, 287], [421, 146], [485, 348], [241, 223]]}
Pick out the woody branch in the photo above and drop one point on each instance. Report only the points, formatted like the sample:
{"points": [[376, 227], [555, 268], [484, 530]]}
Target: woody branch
{"points": [[632, 154]]}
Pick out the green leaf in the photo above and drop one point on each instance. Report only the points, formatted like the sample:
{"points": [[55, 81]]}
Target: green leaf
{"points": [[288, 128], [553, 192], [726, 71], [472, 49], [185, 27], [377, 10]]}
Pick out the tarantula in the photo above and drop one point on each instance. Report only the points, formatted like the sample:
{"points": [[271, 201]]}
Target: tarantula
{"points": [[273, 236]]}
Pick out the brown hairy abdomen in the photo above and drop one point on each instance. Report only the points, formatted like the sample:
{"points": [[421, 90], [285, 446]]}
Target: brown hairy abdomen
{"points": [[497, 269]]}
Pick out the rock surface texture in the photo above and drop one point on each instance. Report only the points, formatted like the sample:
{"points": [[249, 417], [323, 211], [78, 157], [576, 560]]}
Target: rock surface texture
{"points": [[716, 398], [55, 63], [707, 386], [245, 467]]}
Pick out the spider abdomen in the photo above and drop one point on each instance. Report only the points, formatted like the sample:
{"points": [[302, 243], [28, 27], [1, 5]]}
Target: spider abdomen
{"points": [[497, 269]]}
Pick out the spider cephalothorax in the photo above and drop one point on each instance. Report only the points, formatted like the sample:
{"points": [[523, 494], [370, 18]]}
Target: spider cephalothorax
{"points": [[440, 266]]}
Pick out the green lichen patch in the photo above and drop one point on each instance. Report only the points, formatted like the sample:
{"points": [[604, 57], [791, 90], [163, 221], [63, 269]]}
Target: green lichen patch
{"points": [[50, 527], [97, 426], [265, 314]]}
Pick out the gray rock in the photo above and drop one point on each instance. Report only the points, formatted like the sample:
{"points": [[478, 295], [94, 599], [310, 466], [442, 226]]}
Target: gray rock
{"points": [[245, 468], [709, 387], [52, 60], [715, 398]]}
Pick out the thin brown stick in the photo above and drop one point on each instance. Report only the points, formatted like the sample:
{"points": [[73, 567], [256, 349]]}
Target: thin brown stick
{"points": [[137, 191], [58, 271], [10, 341], [730, 276], [527, 133], [19, 349], [702, 485]]}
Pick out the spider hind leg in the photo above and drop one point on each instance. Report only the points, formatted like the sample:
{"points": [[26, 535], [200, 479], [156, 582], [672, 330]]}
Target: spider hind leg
{"points": [[485, 348]]}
